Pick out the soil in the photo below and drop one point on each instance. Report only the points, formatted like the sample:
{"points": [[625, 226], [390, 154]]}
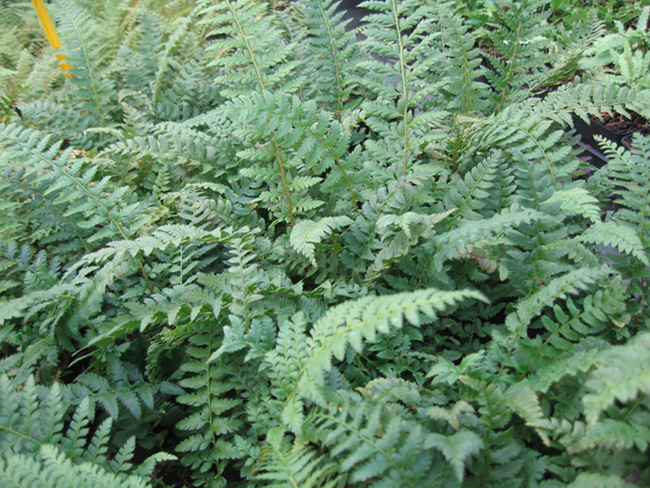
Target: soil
{"points": [[619, 124]]}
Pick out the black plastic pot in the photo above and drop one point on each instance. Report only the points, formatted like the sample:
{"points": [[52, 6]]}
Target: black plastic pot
{"points": [[596, 128], [592, 156], [627, 141]]}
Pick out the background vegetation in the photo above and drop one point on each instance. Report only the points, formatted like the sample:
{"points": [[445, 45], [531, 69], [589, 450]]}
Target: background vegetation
{"points": [[243, 246]]}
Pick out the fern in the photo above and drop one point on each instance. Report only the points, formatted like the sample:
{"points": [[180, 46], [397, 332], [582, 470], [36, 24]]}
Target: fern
{"points": [[283, 464], [333, 53], [296, 253], [250, 41], [307, 233], [392, 115], [92, 90], [373, 445], [621, 374], [33, 432], [208, 444], [57, 471], [461, 86], [88, 204], [516, 51], [348, 325]]}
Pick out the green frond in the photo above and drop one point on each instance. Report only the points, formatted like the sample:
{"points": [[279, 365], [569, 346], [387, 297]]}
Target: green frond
{"points": [[284, 464], [615, 433], [92, 90], [569, 324], [518, 321], [208, 430], [628, 173], [622, 237], [92, 210], [353, 323], [55, 471], [461, 86], [307, 233], [590, 480], [457, 448], [581, 361], [333, 54], [247, 46], [472, 193], [577, 201], [375, 447], [622, 373]]}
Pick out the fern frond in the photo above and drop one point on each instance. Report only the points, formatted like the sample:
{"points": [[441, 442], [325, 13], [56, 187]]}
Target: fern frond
{"points": [[630, 176], [400, 35], [457, 448], [352, 323], [615, 434], [55, 471], [577, 201], [471, 233], [297, 143], [589, 480], [472, 193], [208, 444], [101, 211], [622, 237], [283, 464], [622, 373], [583, 319], [460, 86], [517, 322], [333, 54], [374, 446], [307, 233], [517, 50], [92, 90], [252, 53]]}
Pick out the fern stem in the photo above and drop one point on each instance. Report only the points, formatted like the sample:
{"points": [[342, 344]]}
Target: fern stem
{"points": [[285, 187], [93, 82], [258, 72], [330, 39], [633, 408], [517, 41], [20, 434], [338, 163], [402, 67]]}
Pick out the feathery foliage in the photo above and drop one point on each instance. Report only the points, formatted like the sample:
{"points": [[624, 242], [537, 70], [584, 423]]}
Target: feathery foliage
{"points": [[249, 245]]}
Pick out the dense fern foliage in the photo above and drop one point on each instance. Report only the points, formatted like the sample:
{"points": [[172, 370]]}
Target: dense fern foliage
{"points": [[245, 245]]}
